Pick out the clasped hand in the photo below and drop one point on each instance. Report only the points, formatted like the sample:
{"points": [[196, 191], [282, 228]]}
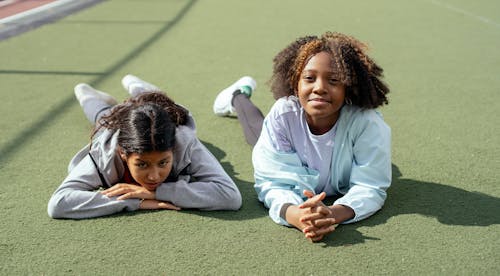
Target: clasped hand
{"points": [[312, 217], [316, 219], [125, 191]]}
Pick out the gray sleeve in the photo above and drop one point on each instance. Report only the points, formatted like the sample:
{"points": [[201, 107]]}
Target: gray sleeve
{"points": [[78, 196], [205, 185]]}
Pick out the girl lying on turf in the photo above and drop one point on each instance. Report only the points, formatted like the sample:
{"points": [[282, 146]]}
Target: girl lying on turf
{"points": [[144, 154], [323, 136]]}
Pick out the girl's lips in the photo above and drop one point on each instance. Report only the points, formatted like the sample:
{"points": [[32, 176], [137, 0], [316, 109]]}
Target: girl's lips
{"points": [[152, 184], [319, 102]]}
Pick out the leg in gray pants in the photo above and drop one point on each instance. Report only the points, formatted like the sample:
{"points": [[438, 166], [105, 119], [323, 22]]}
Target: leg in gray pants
{"points": [[94, 109], [250, 117]]}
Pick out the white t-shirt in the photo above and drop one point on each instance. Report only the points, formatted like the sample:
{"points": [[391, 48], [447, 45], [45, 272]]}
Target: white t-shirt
{"points": [[315, 151]]}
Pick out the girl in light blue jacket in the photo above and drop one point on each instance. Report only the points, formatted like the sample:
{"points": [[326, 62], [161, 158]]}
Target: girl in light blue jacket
{"points": [[323, 136]]}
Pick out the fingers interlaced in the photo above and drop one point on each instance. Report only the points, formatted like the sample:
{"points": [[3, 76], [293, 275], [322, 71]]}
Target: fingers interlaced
{"points": [[326, 222]]}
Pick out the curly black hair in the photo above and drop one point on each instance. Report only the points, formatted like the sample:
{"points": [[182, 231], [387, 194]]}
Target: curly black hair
{"points": [[355, 69], [146, 122]]}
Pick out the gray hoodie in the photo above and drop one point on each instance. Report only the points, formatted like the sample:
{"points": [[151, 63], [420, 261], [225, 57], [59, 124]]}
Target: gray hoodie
{"points": [[197, 179]]}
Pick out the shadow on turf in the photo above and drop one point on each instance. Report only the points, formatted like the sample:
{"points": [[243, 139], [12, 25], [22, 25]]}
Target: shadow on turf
{"points": [[251, 207], [16, 143], [449, 205]]}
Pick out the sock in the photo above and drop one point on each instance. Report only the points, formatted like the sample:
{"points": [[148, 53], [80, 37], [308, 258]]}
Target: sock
{"points": [[247, 90], [237, 93]]}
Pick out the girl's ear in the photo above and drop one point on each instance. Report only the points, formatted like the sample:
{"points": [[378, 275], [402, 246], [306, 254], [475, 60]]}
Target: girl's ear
{"points": [[123, 156]]}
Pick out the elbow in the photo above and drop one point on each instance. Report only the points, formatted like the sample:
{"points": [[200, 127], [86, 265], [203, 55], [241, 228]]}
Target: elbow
{"points": [[234, 202], [230, 199], [237, 202], [53, 212], [226, 203], [54, 208]]}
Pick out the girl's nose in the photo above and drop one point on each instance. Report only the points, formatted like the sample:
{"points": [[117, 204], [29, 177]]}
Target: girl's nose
{"points": [[319, 86], [154, 175]]}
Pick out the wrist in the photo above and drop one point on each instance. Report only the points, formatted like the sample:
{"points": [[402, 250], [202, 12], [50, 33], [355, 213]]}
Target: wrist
{"points": [[150, 195], [292, 216], [283, 210], [341, 213]]}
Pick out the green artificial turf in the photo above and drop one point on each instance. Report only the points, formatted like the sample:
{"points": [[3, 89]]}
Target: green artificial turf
{"points": [[441, 61]]}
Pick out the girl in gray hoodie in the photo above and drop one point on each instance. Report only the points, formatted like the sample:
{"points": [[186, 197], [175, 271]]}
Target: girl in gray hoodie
{"points": [[144, 154]]}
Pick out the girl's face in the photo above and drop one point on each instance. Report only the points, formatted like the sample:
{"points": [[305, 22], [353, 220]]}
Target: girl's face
{"points": [[150, 169], [320, 93]]}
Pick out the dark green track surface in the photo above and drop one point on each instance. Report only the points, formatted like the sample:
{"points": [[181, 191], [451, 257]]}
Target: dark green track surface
{"points": [[441, 61]]}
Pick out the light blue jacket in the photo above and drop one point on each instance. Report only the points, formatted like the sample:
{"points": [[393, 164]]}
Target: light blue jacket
{"points": [[360, 167]]}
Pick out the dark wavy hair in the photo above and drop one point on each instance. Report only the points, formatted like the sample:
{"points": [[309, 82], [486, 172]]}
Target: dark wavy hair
{"points": [[145, 123], [356, 70]]}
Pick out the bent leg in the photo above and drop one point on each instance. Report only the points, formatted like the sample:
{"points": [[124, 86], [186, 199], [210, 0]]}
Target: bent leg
{"points": [[250, 117], [94, 103], [136, 86], [95, 109]]}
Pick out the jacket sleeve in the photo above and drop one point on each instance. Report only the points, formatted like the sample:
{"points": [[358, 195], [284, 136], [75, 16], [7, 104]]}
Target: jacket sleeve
{"points": [[78, 196], [203, 184], [280, 176], [370, 168]]}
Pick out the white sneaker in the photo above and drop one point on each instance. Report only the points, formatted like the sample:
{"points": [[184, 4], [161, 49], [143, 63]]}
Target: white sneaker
{"points": [[85, 92], [223, 102], [136, 86]]}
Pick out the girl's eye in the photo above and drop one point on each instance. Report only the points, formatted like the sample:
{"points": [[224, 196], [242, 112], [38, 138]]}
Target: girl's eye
{"points": [[163, 163], [334, 81], [308, 78], [141, 165]]}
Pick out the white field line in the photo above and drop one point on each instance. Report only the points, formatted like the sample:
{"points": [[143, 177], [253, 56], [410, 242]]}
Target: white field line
{"points": [[6, 2], [464, 12], [34, 11]]}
